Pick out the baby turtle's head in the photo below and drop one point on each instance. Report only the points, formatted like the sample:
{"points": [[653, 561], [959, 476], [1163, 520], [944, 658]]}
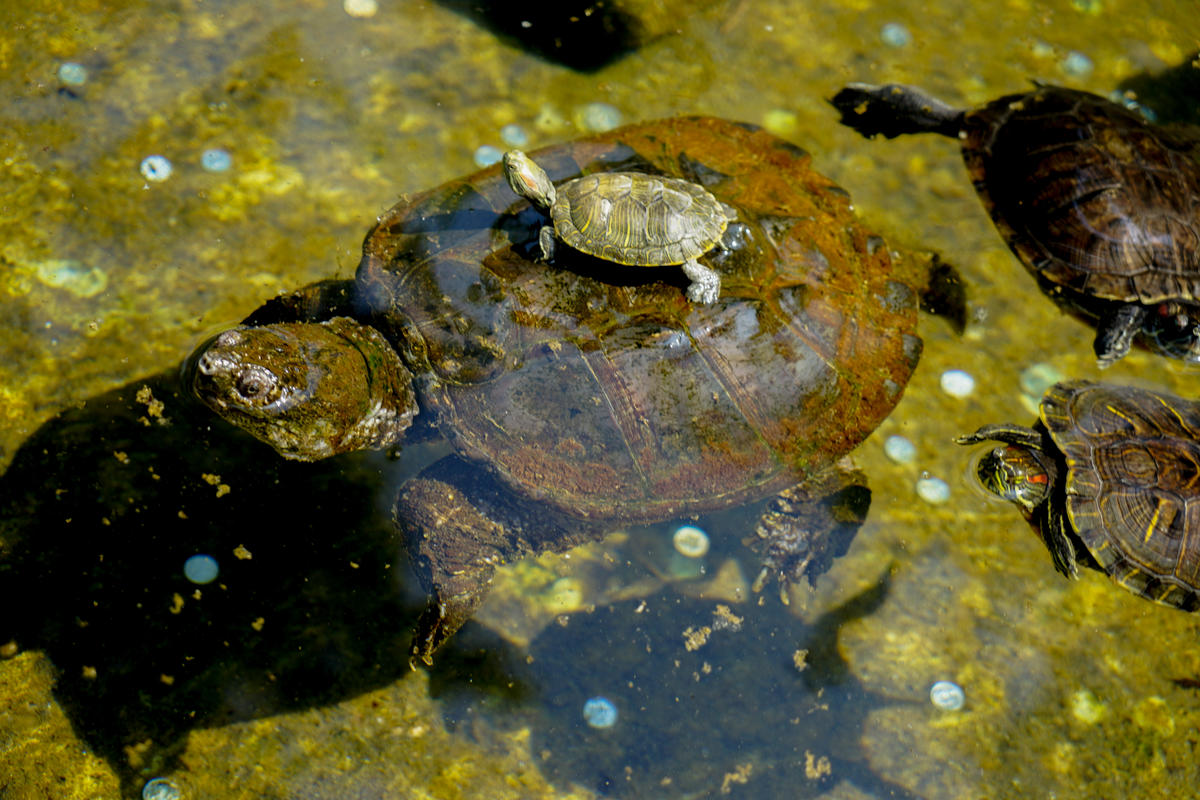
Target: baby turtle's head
{"points": [[528, 179], [310, 390]]}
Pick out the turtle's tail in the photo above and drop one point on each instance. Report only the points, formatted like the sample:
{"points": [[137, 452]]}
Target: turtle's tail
{"points": [[894, 109]]}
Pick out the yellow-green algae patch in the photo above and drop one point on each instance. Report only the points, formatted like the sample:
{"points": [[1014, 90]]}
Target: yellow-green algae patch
{"points": [[385, 743], [40, 755], [331, 119]]}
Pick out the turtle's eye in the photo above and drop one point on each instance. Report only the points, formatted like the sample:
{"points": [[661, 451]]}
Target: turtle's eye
{"points": [[255, 384]]}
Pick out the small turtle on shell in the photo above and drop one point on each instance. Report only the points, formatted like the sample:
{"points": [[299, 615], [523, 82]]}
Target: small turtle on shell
{"points": [[1110, 478], [576, 402], [630, 218], [1100, 205]]}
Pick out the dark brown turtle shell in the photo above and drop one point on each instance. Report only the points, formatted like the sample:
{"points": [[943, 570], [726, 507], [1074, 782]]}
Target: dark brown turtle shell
{"points": [[1100, 205], [1096, 200], [601, 390], [1093, 198], [1132, 459]]}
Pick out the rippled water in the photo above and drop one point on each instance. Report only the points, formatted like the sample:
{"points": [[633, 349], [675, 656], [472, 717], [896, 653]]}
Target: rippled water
{"points": [[288, 677]]}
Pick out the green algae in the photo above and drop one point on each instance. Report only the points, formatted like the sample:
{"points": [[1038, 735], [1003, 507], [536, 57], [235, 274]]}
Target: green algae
{"points": [[330, 119]]}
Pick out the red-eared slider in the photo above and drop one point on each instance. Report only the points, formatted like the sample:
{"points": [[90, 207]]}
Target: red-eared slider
{"points": [[1100, 205], [630, 218], [580, 397], [1110, 477]]}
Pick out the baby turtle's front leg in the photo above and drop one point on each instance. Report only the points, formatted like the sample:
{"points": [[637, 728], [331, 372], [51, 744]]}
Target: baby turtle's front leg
{"points": [[807, 526], [546, 240]]}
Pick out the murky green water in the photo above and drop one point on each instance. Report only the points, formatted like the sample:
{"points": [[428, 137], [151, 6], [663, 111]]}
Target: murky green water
{"points": [[296, 685]]}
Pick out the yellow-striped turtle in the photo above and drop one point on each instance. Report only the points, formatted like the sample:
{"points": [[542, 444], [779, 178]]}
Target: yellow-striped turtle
{"points": [[1100, 205], [1110, 477], [629, 218]]}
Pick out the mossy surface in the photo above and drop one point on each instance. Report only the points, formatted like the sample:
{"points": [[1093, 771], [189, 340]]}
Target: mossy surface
{"points": [[107, 278]]}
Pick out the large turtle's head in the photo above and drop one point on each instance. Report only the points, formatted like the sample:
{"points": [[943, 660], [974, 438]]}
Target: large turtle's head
{"points": [[1015, 473], [310, 390], [528, 179]]}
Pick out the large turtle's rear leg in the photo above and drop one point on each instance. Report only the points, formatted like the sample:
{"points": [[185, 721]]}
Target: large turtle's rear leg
{"points": [[459, 522], [807, 526]]}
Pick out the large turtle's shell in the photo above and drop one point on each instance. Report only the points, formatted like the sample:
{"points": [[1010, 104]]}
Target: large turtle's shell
{"points": [[1090, 196], [600, 388], [1133, 484]]}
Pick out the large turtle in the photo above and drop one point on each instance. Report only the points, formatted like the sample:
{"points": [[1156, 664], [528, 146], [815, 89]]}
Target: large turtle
{"points": [[1110, 478], [628, 217], [585, 396], [1100, 205]]}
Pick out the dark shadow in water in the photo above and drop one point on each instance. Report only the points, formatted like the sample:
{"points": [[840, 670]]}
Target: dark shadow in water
{"points": [[584, 35], [1173, 95], [688, 719], [100, 509]]}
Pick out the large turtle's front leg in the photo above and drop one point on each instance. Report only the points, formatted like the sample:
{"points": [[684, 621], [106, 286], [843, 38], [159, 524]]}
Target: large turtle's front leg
{"points": [[807, 526], [1115, 332], [459, 522]]}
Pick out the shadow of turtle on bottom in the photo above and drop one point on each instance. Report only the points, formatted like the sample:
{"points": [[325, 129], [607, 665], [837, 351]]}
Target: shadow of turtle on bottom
{"points": [[1172, 95], [99, 512], [671, 696], [583, 35]]}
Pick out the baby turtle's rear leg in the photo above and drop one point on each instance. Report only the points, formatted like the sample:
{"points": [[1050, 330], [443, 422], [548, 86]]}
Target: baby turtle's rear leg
{"points": [[706, 283]]}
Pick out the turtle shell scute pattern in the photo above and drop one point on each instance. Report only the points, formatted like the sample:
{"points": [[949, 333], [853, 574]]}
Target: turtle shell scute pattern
{"points": [[638, 220], [1133, 484]]}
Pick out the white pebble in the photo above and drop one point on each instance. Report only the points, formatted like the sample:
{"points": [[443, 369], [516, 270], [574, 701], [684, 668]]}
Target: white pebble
{"points": [[947, 696], [1076, 64], [360, 8], [1037, 378], [933, 490], [156, 168], [690, 541], [201, 569], [514, 136], [73, 74], [486, 155], [598, 117], [600, 712], [216, 159], [899, 449], [895, 34], [160, 789], [958, 383]]}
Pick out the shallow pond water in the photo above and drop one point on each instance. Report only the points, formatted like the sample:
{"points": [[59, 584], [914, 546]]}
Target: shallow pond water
{"points": [[283, 130]]}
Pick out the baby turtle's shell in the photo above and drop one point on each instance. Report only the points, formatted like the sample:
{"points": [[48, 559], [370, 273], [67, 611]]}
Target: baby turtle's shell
{"points": [[637, 219]]}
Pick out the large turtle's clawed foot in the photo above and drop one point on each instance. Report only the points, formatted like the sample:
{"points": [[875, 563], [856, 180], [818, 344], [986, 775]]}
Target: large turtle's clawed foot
{"points": [[1116, 331], [445, 615], [807, 526], [459, 523], [454, 548]]}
